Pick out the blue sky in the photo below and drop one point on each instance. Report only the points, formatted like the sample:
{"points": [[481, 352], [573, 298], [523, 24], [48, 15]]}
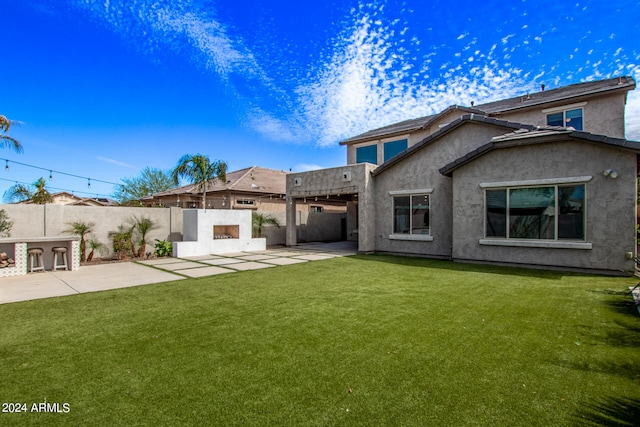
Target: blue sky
{"points": [[105, 88]]}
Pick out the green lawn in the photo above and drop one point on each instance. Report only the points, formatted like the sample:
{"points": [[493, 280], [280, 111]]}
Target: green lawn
{"points": [[418, 342]]}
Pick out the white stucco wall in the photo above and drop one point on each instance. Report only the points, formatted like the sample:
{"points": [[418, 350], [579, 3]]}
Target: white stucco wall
{"points": [[199, 233]]}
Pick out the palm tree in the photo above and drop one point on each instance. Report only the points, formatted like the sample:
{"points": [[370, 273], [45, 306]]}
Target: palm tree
{"points": [[143, 225], [198, 169], [20, 192], [81, 229], [94, 245], [259, 221], [6, 140]]}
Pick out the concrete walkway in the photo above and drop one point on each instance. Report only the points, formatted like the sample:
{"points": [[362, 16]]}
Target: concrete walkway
{"points": [[103, 277]]}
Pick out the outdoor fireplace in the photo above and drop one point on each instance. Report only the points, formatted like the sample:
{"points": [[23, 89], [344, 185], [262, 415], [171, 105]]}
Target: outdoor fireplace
{"points": [[226, 232]]}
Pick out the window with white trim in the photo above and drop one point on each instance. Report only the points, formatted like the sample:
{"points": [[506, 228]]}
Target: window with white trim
{"points": [[566, 118], [316, 209], [411, 214], [550, 212]]}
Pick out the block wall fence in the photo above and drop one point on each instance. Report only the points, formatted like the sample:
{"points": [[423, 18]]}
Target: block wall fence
{"points": [[53, 220]]}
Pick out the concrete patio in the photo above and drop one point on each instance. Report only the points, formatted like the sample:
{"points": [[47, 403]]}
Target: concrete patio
{"points": [[121, 275]]}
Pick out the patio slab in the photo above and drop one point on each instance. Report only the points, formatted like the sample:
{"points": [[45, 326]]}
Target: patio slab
{"points": [[255, 257], [222, 261], [201, 257], [205, 271], [160, 261], [290, 253], [283, 261], [88, 279], [234, 254], [100, 277], [245, 266], [315, 257], [176, 266]]}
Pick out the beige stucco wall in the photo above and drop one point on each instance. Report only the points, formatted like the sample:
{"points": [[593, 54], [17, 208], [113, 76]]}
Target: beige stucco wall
{"points": [[610, 203], [356, 183], [603, 115], [53, 220], [421, 171]]}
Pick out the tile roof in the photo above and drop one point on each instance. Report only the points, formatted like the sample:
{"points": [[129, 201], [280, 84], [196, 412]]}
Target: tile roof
{"points": [[253, 179], [566, 93], [446, 129], [538, 134], [408, 125]]}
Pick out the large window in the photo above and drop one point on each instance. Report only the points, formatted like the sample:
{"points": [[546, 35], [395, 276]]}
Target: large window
{"points": [[411, 214], [553, 212], [566, 118], [367, 154], [393, 148]]}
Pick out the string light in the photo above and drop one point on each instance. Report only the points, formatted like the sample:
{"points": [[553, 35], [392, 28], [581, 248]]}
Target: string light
{"points": [[88, 182], [58, 189], [50, 175], [58, 172]]}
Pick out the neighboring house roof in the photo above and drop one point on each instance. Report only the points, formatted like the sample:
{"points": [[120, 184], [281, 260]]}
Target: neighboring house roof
{"points": [[566, 93], [253, 179], [526, 136], [445, 130], [70, 199]]}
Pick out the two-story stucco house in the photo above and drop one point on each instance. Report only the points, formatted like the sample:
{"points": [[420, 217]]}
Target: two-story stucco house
{"points": [[543, 180]]}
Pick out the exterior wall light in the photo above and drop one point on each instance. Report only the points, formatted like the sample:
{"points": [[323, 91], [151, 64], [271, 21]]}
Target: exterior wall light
{"points": [[611, 173]]}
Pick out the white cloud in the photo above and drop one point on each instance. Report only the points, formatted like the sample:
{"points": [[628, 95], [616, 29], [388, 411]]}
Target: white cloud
{"points": [[365, 79], [306, 167], [506, 39], [116, 162]]}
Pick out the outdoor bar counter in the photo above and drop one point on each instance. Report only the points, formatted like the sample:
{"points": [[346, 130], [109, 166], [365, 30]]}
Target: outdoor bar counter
{"points": [[17, 247]]}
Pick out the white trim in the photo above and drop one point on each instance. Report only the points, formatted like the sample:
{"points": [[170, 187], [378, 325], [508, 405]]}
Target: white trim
{"points": [[538, 182], [564, 108], [549, 244], [418, 237], [411, 192], [396, 138], [365, 144]]}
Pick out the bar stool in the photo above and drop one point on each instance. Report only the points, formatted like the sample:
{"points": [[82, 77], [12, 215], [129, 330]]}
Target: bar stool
{"points": [[35, 259], [63, 252]]}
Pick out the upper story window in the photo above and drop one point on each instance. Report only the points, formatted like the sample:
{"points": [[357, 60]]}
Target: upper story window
{"points": [[393, 148], [568, 118], [565, 116], [367, 154]]}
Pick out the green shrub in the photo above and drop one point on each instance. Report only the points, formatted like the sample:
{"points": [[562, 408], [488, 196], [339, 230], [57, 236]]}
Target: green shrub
{"points": [[163, 248], [5, 224]]}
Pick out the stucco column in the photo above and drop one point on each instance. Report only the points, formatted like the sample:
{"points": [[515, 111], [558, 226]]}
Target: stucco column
{"points": [[291, 235], [366, 217]]}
